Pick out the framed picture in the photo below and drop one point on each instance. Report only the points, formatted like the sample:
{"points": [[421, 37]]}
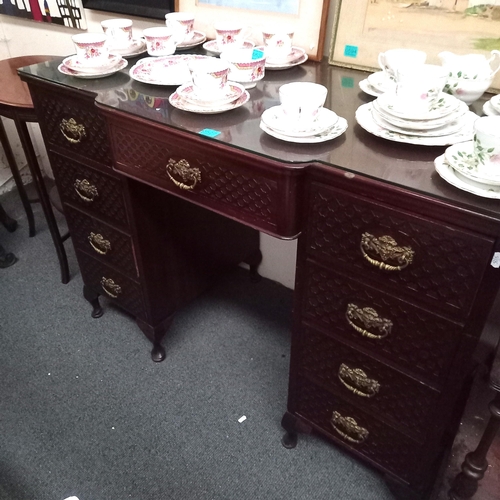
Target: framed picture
{"points": [[155, 9], [307, 19], [364, 28]]}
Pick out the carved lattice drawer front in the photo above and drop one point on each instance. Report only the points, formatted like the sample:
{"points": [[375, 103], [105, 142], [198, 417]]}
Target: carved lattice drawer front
{"points": [[101, 241], [202, 175], [91, 190], [431, 262], [73, 124], [357, 430], [111, 284], [413, 338], [381, 391]]}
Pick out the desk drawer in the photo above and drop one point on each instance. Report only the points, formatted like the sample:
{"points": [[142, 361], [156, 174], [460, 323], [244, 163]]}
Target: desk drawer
{"points": [[91, 190], [428, 262]]}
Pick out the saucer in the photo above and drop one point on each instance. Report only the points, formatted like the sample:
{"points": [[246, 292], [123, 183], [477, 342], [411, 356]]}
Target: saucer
{"points": [[489, 110], [365, 86], [300, 60], [178, 102], [213, 47], [327, 135], [495, 103], [65, 70], [75, 64], [231, 93], [381, 82], [450, 175], [197, 39], [462, 158], [295, 54], [136, 48], [275, 119]]}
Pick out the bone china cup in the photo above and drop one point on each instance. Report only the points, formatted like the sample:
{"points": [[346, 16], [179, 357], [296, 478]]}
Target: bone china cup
{"points": [[277, 43], [159, 41], [229, 35], [209, 77], [181, 23], [119, 32], [91, 49], [302, 101], [487, 145], [392, 60], [246, 65]]}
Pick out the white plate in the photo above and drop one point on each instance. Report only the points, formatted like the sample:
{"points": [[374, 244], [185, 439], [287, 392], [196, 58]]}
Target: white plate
{"points": [[295, 54], [72, 62], [445, 105], [232, 92], [137, 48], [166, 70], [178, 102], [213, 47], [277, 121], [381, 82], [495, 103], [338, 129], [365, 86], [365, 119], [78, 74], [489, 110], [197, 39], [462, 158], [450, 175]]}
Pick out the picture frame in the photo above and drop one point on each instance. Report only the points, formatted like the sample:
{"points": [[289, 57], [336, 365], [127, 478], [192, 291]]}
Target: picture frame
{"points": [[364, 28], [154, 9], [309, 24]]}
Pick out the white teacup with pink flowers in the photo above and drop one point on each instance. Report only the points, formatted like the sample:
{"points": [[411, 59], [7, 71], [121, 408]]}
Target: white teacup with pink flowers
{"points": [[487, 145]]}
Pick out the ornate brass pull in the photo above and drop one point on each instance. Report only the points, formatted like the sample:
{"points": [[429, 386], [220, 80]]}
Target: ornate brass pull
{"points": [[358, 382], [189, 176], [370, 320], [110, 287], [387, 249], [99, 244], [85, 190], [348, 428], [72, 131]]}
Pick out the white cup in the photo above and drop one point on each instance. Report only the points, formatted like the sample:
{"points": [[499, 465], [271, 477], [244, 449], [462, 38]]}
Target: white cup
{"points": [[181, 23], [301, 102], [247, 66], [392, 60], [229, 35], [209, 77], [119, 32], [91, 49], [159, 41], [487, 145], [277, 43]]}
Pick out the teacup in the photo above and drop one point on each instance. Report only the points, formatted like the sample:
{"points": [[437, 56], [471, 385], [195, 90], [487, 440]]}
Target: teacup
{"points": [[181, 23], [91, 49], [159, 41], [487, 145], [277, 43], [229, 35], [119, 32], [419, 87], [209, 77], [301, 102], [247, 66], [392, 60]]}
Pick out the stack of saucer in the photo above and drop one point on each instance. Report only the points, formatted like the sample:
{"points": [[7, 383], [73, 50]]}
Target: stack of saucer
{"points": [[74, 66], [187, 98], [492, 107], [377, 84], [295, 57]]}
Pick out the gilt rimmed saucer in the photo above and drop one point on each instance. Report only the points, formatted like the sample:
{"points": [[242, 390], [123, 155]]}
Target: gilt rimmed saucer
{"points": [[213, 47], [180, 103], [489, 110], [365, 86], [76, 64], [381, 82], [136, 48], [231, 92], [89, 76], [327, 135], [295, 54], [285, 65], [276, 120], [453, 177], [197, 38]]}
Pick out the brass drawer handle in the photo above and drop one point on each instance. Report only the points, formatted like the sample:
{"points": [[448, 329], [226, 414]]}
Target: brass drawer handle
{"points": [[370, 320], [358, 382], [387, 249], [190, 176], [86, 191], [72, 131], [111, 288], [348, 428], [99, 244]]}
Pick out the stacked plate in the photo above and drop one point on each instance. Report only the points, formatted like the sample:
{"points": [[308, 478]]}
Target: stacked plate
{"points": [[377, 84], [448, 122], [187, 98], [327, 126], [492, 107], [73, 66]]}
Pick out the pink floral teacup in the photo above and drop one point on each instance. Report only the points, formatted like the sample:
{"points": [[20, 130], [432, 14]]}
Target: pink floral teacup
{"points": [[91, 49], [247, 66], [159, 41], [487, 145]]}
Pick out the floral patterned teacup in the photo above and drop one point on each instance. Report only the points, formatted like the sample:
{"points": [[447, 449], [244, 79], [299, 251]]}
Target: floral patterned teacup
{"points": [[209, 78], [277, 44], [301, 102], [487, 145], [91, 49], [229, 35], [119, 32], [159, 41], [247, 66], [181, 23]]}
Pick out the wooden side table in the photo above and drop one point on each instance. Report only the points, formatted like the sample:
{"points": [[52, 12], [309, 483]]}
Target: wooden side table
{"points": [[16, 104]]}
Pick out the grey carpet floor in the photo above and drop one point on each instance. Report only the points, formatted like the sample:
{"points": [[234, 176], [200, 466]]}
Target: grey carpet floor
{"points": [[84, 411]]}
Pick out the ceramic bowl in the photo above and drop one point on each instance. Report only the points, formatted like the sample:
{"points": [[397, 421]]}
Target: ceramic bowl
{"points": [[467, 90]]}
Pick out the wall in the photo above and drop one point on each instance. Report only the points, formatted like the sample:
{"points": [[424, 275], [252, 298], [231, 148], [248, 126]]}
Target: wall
{"points": [[20, 37]]}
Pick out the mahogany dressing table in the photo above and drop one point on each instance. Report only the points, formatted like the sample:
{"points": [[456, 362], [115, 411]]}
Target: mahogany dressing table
{"points": [[396, 269]]}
